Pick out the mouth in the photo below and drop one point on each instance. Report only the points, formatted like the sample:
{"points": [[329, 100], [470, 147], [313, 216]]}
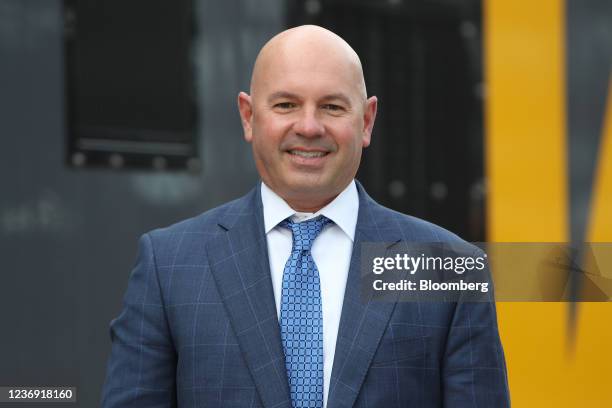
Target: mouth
{"points": [[308, 159], [308, 154]]}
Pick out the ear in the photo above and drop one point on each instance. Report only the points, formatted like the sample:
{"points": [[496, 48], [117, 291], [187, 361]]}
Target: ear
{"points": [[245, 108], [369, 116]]}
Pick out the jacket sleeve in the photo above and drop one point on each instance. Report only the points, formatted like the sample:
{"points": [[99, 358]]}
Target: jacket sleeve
{"points": [[474, 368], [142, 365]]}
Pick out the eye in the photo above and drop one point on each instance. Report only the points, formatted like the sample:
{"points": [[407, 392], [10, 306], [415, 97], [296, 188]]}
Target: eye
{"points": [[332, 107], [284, 105]]}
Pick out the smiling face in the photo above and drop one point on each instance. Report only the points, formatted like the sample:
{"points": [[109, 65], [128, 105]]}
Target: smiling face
{"points": [[307, 117]]}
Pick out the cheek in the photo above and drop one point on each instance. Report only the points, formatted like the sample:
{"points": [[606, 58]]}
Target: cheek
{"points": [[264, 150], [350, 139], [269, 133]]}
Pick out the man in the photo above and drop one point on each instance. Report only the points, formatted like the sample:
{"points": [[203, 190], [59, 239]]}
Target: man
{"points": [[257, 303]]}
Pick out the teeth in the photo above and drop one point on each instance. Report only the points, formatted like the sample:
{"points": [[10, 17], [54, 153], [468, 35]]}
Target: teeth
{"points": [[302, 153]]}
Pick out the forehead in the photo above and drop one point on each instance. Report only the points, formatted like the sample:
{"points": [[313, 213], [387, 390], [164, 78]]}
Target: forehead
{"points": [[303, 82], [310, 68]]}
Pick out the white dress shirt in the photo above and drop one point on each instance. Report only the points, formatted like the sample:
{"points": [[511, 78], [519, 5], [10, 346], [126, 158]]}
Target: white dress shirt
{"points": [[331, 251]]}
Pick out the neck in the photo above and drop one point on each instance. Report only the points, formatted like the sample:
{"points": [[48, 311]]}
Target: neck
{"points": [[308, 207]]}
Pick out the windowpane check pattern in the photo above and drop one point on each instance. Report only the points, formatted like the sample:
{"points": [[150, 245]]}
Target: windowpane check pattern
{"points": [[301, 317]]}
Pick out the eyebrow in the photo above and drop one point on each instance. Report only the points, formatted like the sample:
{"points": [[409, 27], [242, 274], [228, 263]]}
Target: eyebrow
{"points": [[288, 95], [281, 95], [338, 96]]}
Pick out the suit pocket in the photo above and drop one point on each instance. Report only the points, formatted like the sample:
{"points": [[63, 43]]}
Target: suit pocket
{"points": [[402, 351]]}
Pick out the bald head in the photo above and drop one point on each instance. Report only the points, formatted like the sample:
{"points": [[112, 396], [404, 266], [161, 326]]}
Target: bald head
{"points": [[314, 49], [307, 116]]}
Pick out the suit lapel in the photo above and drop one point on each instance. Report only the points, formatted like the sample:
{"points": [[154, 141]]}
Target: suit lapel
{"points": [[239, 263], [362, 323]]}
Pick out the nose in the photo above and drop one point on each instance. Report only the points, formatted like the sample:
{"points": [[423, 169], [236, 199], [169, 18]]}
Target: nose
{"points": [[308, 124]]}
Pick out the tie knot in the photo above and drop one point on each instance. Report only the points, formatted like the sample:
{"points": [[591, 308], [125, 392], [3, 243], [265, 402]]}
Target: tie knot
{"points": [[305, 232]]}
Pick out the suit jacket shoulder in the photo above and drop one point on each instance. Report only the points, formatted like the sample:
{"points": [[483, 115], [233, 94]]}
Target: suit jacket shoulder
{"points": [[380, 222], [181, 241]]}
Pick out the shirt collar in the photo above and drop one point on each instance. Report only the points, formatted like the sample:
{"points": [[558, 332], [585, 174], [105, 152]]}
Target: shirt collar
{"points": [[342, 210]]}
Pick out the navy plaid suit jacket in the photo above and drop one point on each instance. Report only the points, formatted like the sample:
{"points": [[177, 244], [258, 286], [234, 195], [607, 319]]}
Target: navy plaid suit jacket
{"points": [[199, 326]]}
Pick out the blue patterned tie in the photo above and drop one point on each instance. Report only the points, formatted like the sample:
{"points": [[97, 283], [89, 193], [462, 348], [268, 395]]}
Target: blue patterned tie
{"points": [[301, 317]]}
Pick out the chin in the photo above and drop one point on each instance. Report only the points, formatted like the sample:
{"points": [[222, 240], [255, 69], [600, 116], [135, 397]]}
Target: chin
{"points": [[311, 191], [307, 186]]}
